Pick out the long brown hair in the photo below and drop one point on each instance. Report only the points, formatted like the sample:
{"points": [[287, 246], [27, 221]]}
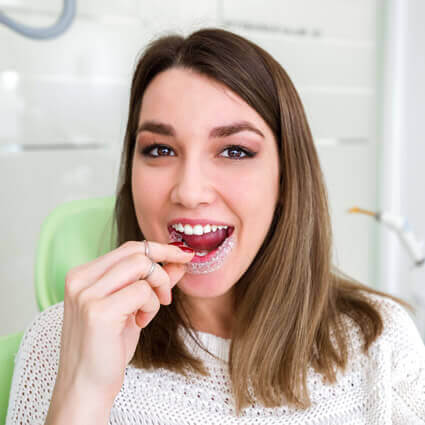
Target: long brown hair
{"points": [[291, 299]]}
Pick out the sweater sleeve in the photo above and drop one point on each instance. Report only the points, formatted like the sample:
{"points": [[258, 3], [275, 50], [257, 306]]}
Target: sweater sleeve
{"points": [[36, 366], [407, 365]]}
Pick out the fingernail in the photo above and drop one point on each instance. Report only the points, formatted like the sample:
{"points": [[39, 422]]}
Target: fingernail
{"points": [[175, 243], [187, 249], [182, 247]]}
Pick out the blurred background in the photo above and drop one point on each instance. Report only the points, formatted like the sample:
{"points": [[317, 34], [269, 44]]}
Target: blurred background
{"points": [[358, 65]]}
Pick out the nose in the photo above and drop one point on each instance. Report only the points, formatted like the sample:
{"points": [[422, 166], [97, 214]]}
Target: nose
{"points": [[192, 186]]}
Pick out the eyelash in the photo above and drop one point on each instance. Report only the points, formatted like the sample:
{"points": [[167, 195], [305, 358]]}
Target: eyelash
{"points": [[248, 154]]}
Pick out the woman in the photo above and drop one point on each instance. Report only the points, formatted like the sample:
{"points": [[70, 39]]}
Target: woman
{"points": [[246, 323]]}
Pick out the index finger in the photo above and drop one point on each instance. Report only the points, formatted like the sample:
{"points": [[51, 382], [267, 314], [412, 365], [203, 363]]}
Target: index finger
{"points": [[158, 252]]}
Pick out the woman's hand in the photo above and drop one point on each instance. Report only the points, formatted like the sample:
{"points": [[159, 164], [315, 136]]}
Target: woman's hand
{"points": [[106, 304]]}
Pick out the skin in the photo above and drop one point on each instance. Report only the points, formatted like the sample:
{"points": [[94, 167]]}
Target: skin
{"points": [[197, 177]]}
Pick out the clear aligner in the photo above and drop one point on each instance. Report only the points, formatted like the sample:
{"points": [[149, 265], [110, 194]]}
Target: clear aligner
{"points": [[214, 263]]}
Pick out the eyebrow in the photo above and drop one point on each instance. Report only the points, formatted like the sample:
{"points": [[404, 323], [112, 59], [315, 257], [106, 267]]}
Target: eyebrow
{"points": [[222, 131]]}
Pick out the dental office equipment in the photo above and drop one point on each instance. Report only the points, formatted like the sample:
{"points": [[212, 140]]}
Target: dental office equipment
{"points": [[59, 27], [401, 227], [414, 291]]}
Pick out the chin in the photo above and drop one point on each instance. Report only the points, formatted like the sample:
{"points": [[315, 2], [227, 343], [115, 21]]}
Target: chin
{"points": [[203, 285]]}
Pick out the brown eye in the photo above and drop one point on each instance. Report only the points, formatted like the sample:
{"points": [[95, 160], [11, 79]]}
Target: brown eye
{"points": [[161, 150], [237, 152]]}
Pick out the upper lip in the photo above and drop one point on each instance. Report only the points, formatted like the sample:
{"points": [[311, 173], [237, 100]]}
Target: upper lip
{"points": [[193, 221]]}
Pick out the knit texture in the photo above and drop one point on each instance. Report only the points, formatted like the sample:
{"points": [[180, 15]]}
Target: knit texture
{"points": [[386, 387]]}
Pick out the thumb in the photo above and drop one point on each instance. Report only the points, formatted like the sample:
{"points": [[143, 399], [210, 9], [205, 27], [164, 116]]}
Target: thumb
{"points": [[175, 272]]}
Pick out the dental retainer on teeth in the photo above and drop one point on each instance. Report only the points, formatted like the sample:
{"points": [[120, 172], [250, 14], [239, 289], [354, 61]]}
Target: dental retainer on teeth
{"points": [[214, 263]]}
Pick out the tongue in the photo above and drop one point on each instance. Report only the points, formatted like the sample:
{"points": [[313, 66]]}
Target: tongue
{"points": [[209, 241]]}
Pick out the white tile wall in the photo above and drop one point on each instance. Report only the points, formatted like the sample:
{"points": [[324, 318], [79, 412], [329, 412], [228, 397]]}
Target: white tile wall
{"points": [[336, 81], [344, 20], [43, 110], [90, 49], [75, 89], [319, 61], [340, 114], [33, 183], [350, 174], [183, 16]]}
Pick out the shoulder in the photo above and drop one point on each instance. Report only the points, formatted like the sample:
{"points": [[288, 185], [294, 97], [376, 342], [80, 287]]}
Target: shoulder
{"points": [[403, 344], [398, 322], [44, 329], [39, 350], [392, 372], [400, 335], [396, 319], [51, 317]]}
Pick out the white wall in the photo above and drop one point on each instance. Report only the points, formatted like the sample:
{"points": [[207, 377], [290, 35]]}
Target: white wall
{"points": [[402, 171], [63, 110]]}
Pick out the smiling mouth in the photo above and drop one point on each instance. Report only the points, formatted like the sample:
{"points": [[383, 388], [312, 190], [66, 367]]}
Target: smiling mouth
{"points": [[202, 244]]}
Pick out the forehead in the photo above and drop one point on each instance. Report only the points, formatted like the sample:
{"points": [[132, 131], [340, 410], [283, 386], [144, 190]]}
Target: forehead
{"points": [[183, 96]]}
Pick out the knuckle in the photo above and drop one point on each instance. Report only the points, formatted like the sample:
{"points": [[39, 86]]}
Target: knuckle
{"points": [[91, 311], [149, 297], [155, 302], [138, 263], [82, 299], [138, 257], [131, 244], [165, 279], [145, 289], [160, 278], [71, 280]]}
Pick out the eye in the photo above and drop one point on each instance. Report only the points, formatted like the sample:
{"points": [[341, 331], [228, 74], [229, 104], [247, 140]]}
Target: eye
{"points": [[161, 150], [238, 152]]}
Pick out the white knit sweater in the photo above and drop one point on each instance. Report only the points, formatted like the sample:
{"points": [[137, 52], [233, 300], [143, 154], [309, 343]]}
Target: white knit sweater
{"points": [[386, 388]]}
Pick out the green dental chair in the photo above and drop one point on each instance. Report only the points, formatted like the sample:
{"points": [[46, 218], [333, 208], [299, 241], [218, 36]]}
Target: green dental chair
{"points": [[74, 233], [9, 346]]}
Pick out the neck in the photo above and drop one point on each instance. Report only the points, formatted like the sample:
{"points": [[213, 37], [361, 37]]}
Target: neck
{"points": [[211, 315]]}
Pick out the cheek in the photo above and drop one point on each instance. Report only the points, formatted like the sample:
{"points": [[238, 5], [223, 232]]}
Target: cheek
{"points": [[255, 190], [149, 193], [138, 185], [255, 198], [147, 190]]}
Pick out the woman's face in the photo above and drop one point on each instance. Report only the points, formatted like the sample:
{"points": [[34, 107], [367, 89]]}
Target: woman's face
{"points": [[194, 176]]}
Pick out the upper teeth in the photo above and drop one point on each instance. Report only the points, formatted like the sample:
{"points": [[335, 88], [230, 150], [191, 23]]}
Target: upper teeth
{"points": [[198, 229]]}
